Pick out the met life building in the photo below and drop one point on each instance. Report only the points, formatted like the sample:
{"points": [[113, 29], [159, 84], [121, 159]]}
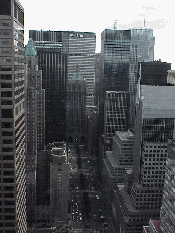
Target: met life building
{"points": [[12, 117]]}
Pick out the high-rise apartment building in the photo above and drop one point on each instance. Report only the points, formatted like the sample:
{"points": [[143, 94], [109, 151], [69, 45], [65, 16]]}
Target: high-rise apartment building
{"points": [[76, 109], [35, 121], [12, 143], [52, 60]]}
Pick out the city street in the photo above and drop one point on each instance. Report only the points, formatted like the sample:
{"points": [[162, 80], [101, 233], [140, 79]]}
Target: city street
{"points": [[84, 179]]}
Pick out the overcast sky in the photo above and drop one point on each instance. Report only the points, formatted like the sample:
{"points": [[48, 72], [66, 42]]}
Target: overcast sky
{"points": [[95, 16]]}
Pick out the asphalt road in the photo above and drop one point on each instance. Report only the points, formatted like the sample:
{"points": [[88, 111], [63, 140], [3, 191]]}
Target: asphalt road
{"points": [[79, 223]]}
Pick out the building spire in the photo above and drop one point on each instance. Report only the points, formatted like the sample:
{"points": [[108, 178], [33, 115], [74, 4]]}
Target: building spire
{"points": [[144, 22]]}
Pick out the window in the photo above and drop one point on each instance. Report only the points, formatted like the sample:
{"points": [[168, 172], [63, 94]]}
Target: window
{"points": [[5, 59], [6, 113], [5, 8], [6, 85], [6, 94], [5, 50], [5, 76], [5, 68]]}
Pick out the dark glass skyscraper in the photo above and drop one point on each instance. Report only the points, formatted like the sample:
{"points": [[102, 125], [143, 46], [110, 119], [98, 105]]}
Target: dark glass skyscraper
{"points": [[52, 60]]}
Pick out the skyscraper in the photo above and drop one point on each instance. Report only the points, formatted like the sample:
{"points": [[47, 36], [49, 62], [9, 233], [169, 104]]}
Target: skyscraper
{"points": [[81, 48], [142, 50], [167, 213], [58, 54], [154, 126], [153, 73], [52, 60], [12, 143], [35, 121], [76, 109]]}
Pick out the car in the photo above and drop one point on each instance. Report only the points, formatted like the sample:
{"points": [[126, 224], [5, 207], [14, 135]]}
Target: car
{"points": [[80, 218], [97, 197]]}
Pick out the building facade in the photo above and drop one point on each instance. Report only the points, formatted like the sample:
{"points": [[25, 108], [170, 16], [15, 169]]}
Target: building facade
{"points": [[116, 115], [76, 109], [155, 125], [167, 213], [12, 143], [52, 60], [81, 48], [35, 129], [154, 73], [59, 182]]}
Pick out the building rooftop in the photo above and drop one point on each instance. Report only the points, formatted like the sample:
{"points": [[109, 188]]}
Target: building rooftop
{"points": [[125, 135], [77, 76], [30, 49], [158, 101]]}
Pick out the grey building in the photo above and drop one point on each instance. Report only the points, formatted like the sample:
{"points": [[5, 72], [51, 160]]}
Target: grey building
{"points": [[59, 182], [142, 50], [167, 213], [52, 60], [155, 125], [12, 143], [81, 48], [35, 125], [76, 109], [115, 163]]}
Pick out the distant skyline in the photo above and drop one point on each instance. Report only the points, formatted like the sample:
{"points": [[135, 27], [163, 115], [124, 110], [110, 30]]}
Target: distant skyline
{"points": [[95, 16]]}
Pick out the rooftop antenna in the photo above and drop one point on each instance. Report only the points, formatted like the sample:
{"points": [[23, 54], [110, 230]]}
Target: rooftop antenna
{"points": [[144, 22], [115, 25]]}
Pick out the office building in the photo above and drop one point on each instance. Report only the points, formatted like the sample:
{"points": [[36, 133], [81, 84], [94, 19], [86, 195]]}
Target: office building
{"points": [[58, 53], [81, 48], [154, 73], [115, 52], [116, 114], [116, 118], [59, 182], [35, 134], [142, 41], [115, 163], [154, 126], [12, 143], [167, 213], [52, 60], [92, 129], [98, 75], [76, 109], [142, 50]]}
